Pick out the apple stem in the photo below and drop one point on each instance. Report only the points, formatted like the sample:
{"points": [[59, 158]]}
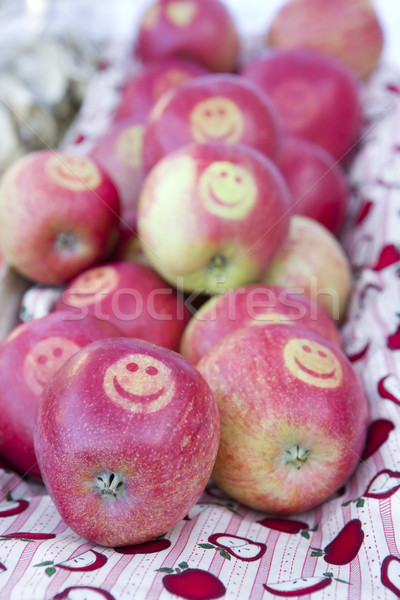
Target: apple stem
{"points": [[110, 484], [65, 241], [297, 455], [217, 262]]}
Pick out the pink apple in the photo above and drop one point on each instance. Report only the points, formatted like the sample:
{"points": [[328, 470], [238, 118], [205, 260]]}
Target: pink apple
{"points": [[313, 262], [318, 184], [294, 417], [29, 357], [252, 305], [131, 296], [145, 86], [349, 30], [220, 107], [202, 30], [317, 96], [59, 214], [126, 438], [211, 216]]}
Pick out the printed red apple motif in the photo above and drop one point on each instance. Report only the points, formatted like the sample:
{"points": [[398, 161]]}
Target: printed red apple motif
{"points": [[285, 525], [365, 209], [298, 587], [390, 574], [389, 388], [91, 560], [11, 507], [378, 433], [388, 256], [150, 547], [83, 592], [26, 536], [357, 348], [236, 546], [393, 340], [192, 584], [383, 485], [345, 546], [200, 507]]}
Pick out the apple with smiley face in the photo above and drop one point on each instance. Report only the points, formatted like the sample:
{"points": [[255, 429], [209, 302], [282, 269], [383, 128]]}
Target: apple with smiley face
{"points": [[45, 199], [294, 417], [228, 207], [126, 438]]}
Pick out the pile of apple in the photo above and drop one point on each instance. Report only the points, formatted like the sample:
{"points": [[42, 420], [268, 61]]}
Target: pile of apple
{"points": [[203, 280]]}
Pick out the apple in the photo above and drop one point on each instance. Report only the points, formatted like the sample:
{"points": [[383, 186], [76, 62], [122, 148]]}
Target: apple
{"points": [[83, 592], [345, 546], [250, 305], [317, 182], [383, 485], [317, 96], [220, 107], [202, 30], [301, 586], [378, 433], [312, 261], [131, 296], [126, 437], [211, 216], [294, 417], [45, 199], [238, 547], [194, 584], [142, 88], [29, 356], [390, 573], [348, 30]]}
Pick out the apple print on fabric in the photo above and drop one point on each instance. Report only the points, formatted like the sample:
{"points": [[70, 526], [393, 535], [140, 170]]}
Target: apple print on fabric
{"points": [[91, 560], [387, 257], [390, 574], [192, 584], [345, 546], [378, 433], [236, 546], [11, 507], [298, 587], [357, 348], [389, 388], [83, 592], [27, 536], [151, 547], [291, 526]]}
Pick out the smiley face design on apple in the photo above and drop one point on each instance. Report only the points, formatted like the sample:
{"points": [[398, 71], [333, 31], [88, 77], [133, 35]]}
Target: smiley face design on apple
{"points": [[44, 359], [216, 119], [227, 190], [297, 103], [140, 383], [239, 547], [129, 146], [91, 286], [313, 363], [73, 172]]}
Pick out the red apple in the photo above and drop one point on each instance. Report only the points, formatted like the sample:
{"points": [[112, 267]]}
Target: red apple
{"points": [[211, 216], [318, 184], [29, 356], [252, 305], [294, 417], [316, 96], [312, 261], [301, 586], [194, 584], [219, 107], [126, 437], [59, 214], [202, 30], [75, 592], [132, 297], [390, 573], [349, 30], [346, 545]]}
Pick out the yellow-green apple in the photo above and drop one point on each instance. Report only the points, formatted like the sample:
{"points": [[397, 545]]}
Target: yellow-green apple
{"points": [[29, 356], [317, 96], [312, 261], [349, 30], [249, 306], [212, 215], [59, 214], [202, 30], [131, 296], [126, 438], [294, 417], [220, 107], [318, 183], [142, 88]]}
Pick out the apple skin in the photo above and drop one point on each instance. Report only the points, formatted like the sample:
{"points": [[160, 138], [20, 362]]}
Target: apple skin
{"points": [[228, 207], [312, 261], [252, 305], [29, 356], [202, 30], [317, 96], [294, 417], [142, 450], [349, 31], [220, 107], [131, 296], [45, 200], [318, 184]]}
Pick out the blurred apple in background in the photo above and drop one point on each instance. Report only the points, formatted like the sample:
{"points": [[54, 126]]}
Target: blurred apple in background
{"points": [[212, 216], [294, 417], [349, 30], [251, 306], [59, 214], [144, 86], [202, 30], [141, 452], [318, 184], [131, 296], [29, 357], [317, 96], [219, 107], [312, 261]]}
